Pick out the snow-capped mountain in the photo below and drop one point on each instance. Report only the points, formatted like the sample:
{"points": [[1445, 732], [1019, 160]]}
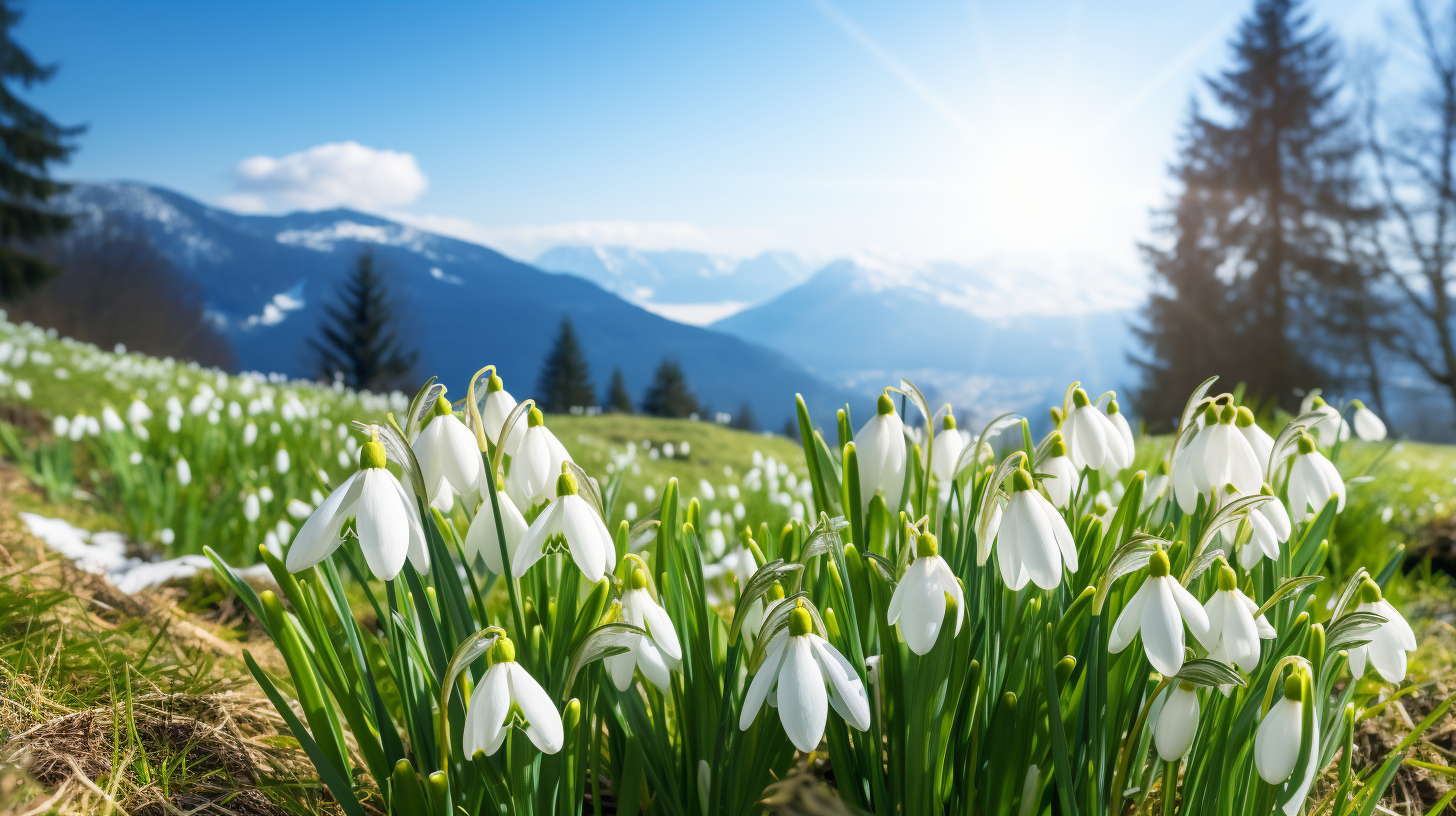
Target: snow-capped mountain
{"points": [[1008, 334], [266, 279], [690, 287]]}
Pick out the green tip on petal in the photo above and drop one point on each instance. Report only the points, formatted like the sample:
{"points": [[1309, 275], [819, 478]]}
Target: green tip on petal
{"points": [[494, 384], [1158, 565], [1266, 490], [1369, 592], [948, 424], [1306, 443], [372, 455], [1021, 480], [1227, 580], [442, 406], [925, 546], [1294, 687], [1228, 415], [1357, 404], [639, 578], [1056, 417], [504, 651], [776, 592], [566, 484], [1079, 398], [885, 406], [1245, 418], [1112, 407], [534, 418], [799, 622], [1317, 402], [1058, 446]]}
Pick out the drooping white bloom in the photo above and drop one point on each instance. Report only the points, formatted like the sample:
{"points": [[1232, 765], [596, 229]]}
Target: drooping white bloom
{"points": [[386, 520], [449, 457], [1388, 644], [250, 434], [1064, 474], [184, 472], [251, 508], [646, 652], [280, 460], [946, 451], [509, 696], [1313, 481], [1233, 633], [481, 538], [495, 410], [1033, 541], [1177, 721], [1268, 528], [61, 425], [1276, 745], [1224, 457], [1331, 426], [570, 517], [138, 412], [1092, 440], [1260, 442], [1368, 426], [111, 420], [1158, 610], [879, 448], [535, 464], [1120, 446], [1156, 485], [794, 676], [918, 603]]}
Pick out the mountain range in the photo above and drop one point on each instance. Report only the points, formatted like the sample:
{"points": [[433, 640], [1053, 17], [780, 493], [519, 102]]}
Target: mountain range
{"points": [[267, 277]]}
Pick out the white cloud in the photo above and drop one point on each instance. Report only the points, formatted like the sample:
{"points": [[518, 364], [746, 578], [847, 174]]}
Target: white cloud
{"points": [[527, 241], [337, 174]]}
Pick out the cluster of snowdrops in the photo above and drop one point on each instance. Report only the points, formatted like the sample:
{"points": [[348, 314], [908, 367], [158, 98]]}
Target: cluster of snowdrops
{"points": [[878, 632]]}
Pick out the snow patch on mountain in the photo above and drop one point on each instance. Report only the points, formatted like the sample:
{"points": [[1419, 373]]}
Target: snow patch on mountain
{"points": [[277, 308], [327, 238]]}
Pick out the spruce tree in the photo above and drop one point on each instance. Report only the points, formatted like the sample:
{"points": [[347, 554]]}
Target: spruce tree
{"points": [[359, 338], [29, 143], [669, 395], [1254, 230], [565, 382], [618, 400], [744, 420]]}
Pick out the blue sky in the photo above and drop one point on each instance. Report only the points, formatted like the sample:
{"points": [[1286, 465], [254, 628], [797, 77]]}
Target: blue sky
{"points": [[826, 127]]}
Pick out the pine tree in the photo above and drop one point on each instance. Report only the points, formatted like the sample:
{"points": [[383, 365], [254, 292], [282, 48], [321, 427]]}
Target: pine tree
{"points": [[1255, 229], [565, 382], [618, 400], [359, 339], [744, 420], [669, 396], [29, 143]]}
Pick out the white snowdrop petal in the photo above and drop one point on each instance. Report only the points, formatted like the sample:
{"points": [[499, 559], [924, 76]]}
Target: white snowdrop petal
{"points": [[924, 606], [383, 524], [543, 720], [1162, 628], [319, 536], [1386, 656], [1189, 607], [532, 548], [1130, 620], [1276, 745], [649, 660], [620, 667], [1396, 624], [846, 692], [579, 522], [758, 690], [1177, 724], [803, 701], [489, 706], [660, 625]]}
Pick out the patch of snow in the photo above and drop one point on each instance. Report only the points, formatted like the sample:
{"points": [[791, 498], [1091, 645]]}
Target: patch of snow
{"points": [[325, 239], [441, 275], [276, 309], [695, 314]]}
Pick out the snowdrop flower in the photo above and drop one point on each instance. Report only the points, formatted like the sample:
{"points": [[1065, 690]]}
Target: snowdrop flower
{"points": [[639, 609], [135, 457], [1158, 610], [571, 518], [174, 422], [61, 426], [1313, 481], [1221, 456], [1064, 474], [1233, 632], [22, 389], [1268, 527], [946, 451], [281, 462], [793, 678], [509, 696], [1092, 440], [759, 611], [880, 450], [1368, 426], [1177, 721], [497, 408], [1032, 541], [250, 434], [174, 406], [299, 509], [386, 520], [111, 420], [251, 508], [449, 457], [1156, 485], [265, 493], [1331, 426], [1276, 745], [1260, 442], [1121, 447], [78, 427], [918, 603], [537, 460], [184, 472], [1388, 644], [166, 536], [482, 540]]}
